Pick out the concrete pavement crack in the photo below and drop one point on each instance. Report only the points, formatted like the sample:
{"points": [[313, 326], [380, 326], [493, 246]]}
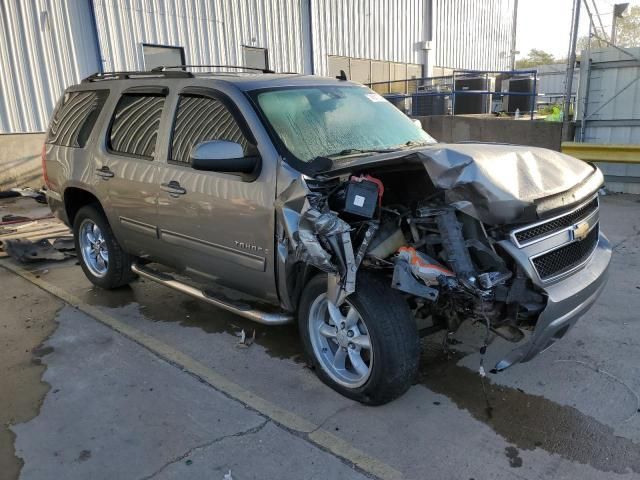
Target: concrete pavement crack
{"points": [[330, 416], [626, 239], [184, 455]]}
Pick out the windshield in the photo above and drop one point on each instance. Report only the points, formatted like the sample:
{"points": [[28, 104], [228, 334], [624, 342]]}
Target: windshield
{"points": [[335, 121]]}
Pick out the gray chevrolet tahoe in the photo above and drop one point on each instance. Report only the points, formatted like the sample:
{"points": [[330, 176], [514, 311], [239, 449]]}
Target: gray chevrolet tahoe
{"points": [[283, 198]]}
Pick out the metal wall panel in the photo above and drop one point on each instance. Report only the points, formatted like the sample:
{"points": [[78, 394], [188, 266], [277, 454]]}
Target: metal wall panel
{"points": [[45, 46], [551, 79], [472, 34], [377, 30], [613, 97], [212, 32]]}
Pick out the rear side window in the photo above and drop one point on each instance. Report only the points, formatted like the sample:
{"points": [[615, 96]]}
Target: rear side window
{"points": [[75, 117], [200, 119], [135, 123]]}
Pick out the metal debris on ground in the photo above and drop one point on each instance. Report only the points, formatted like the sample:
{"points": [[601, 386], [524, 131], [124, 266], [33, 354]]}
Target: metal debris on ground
{"points": [[9, 194], [10, 218], [64, 244], [38, 195], [245, 341], [27, 251], [30, 233]]}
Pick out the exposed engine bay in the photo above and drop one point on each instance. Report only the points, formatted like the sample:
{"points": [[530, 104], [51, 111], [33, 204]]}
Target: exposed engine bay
{"points": [[433, 232], [444, 260]]}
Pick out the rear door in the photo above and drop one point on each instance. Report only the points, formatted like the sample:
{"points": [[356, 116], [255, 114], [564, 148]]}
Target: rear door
{"points": [[130, 168], [217, 226]]}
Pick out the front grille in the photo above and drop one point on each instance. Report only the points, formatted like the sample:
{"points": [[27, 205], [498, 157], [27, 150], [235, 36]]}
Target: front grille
{"points": [[537, 231], [565, 258]]}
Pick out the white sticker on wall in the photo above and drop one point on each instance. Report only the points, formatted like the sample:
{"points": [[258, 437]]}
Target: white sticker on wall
{"points": [[358, 201], [374, 97]]}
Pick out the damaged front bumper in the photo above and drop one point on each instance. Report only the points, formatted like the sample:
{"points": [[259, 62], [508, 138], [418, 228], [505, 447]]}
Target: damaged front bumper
{"points": [[568, 300]]}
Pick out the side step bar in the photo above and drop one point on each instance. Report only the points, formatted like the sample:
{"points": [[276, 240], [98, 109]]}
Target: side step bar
{"points": [[243, 310]]}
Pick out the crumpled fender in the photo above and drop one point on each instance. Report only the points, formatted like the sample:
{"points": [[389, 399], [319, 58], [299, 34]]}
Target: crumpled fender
{"points": [[501, 184]]}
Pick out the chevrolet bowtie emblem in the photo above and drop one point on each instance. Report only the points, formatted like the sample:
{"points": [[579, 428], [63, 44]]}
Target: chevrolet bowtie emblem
{"points": [[580, 230]]}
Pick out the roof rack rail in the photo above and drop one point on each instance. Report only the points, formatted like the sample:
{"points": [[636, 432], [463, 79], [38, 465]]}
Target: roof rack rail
{"points": [[164, 68], [99, 76]]}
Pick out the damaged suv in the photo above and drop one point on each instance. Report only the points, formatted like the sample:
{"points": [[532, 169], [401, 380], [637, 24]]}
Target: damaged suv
{"points": [[296, 198]]}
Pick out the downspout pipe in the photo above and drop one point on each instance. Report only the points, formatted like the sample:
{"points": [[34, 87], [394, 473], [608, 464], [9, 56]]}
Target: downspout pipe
{"points": [[94, 24], [308, 33]]}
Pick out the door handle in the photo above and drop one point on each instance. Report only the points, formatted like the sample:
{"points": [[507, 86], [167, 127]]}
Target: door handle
{"points": [[104, 172], [173, 188]]}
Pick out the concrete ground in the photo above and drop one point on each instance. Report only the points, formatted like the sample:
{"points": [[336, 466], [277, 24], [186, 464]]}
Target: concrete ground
{"points": [[144, 382]]}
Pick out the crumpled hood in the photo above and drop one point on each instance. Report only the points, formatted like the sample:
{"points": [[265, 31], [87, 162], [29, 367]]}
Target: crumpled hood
{"points": [[502, 184]]}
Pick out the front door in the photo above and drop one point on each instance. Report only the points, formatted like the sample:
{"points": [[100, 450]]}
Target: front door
{"points": [[216, 226]]}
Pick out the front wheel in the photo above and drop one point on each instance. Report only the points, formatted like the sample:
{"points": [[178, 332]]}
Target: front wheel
{"points": [[368, 348]]}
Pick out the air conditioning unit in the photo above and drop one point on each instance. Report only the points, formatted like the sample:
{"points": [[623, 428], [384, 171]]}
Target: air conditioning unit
{"points": [[511, 103], [474, 101]]}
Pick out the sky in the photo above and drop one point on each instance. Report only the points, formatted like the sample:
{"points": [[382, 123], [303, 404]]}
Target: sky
{"points": [[545, 24]]}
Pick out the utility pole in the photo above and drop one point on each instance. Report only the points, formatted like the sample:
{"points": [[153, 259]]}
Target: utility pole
{"points": [[618, 10], [514, 29], [571, 63]]}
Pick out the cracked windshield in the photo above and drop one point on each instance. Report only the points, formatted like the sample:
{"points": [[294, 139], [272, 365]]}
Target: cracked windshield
{"points": [[338, 121]]}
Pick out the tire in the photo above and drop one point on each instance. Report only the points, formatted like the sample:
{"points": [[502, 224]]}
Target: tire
{"points": [[391, 330], [113, 272]]}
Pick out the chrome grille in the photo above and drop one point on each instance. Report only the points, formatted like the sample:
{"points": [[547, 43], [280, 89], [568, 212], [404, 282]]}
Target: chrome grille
{"points": [[566, 258], [535, 232]]}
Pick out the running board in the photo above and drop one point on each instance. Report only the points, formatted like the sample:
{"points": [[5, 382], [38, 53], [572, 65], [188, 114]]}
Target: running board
{"points": [[242, 310]]}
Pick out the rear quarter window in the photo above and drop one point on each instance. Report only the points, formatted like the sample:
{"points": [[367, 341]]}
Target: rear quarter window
{"points": [[74, 118]]}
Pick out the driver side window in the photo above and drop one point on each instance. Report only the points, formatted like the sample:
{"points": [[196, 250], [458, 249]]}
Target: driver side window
{"points": [[200, 119]]}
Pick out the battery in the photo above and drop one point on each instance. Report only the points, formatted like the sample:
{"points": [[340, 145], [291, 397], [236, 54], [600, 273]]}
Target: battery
{"points": [[361, 198]]}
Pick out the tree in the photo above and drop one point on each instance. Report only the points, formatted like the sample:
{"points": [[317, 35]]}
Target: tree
{"points": [[628, 28], [534, 58], [627, 32], [583, 42]]}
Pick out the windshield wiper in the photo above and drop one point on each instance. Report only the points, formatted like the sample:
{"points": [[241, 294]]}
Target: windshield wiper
{"points": [[356, 151], [414, 143]]}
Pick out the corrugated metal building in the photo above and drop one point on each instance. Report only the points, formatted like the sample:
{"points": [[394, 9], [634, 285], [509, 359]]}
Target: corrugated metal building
{"points": [[471, 34], [609, 109], [551, 81], [610, 97], [46, 45]]}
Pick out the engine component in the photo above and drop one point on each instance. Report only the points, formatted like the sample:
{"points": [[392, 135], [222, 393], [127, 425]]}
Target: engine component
{"points": [[404, 281], [491, 279], [454, 246], [371, 179], [360, 198], [423, 266], [387, 241], [364, 245]]}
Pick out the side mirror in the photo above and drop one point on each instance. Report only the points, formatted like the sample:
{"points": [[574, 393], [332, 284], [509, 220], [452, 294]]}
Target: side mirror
{"points": [[221, 156]]}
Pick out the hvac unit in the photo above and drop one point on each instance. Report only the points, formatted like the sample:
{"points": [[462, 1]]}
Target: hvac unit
{"points": [[474, 101], [511, 103], [430, 101], [401, 102]]}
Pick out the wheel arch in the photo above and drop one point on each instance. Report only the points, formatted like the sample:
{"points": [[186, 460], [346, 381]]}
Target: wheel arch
{"points": [[298, 276], [75, 198]]}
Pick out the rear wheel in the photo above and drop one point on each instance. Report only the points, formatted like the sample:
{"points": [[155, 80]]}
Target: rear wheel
{"points": [[368, 348], [102, 259]]}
